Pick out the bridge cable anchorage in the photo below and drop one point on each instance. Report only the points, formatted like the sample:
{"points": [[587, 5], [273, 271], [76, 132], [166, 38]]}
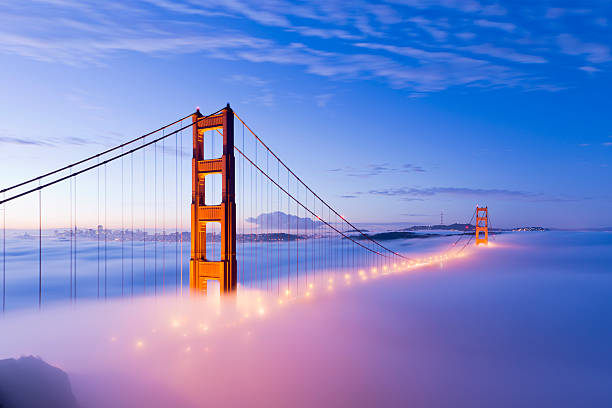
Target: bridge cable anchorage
{"points": [[307, 209], [309, 189]]}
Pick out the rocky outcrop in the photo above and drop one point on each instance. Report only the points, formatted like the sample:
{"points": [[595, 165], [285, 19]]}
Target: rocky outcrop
{"points": [[30, 382]]}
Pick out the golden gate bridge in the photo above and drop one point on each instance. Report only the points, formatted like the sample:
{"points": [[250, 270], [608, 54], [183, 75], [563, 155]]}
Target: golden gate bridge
{"points": [[254, 223]]}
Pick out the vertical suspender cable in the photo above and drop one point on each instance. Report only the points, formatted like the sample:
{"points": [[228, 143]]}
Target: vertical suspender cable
{"points": [[155, 217], [39, 247], [70, 233], [278, 229], [288, 237], [164, 216], [132, 232], [297, 239], [144, 219], [252, 235], [105, 230], [75, 237], [181, 212], [242, 208], [268, 215], [122, 223], [4, 254], [176, 210], [306, 230], [98, 225], [255, 216]]}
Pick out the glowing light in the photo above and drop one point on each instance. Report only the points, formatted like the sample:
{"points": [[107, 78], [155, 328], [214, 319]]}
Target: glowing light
{"points": [[311, 286], [287, 292], [307, 293], [347, 276], [261, 311], [330, 287], [280, 301], [139, 344], [176, 323], [331, 280]]}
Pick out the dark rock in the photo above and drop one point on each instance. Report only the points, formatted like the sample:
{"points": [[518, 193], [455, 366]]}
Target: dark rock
{"points": [[30, 382]]}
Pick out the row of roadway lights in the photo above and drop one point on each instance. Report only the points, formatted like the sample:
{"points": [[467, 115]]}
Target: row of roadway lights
{"points": [[260, 307]]}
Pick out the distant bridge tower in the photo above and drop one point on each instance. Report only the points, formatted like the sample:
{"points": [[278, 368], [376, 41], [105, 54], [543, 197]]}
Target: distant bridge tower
{"points": [[482, 225], [202, 269]]}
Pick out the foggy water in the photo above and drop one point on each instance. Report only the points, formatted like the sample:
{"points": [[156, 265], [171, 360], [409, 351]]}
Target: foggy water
{"points": [[106, 270], [522, 323]]}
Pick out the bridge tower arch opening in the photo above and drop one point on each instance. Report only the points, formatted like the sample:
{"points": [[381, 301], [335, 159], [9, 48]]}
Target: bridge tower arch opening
{"points": [[201, 267], [482, 225]]}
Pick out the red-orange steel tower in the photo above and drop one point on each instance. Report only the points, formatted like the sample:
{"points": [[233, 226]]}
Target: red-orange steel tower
{"points": [[201, 269], [482, 225]]}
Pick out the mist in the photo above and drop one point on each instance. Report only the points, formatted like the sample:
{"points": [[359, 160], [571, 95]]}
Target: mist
{"points": [[523, 322]]}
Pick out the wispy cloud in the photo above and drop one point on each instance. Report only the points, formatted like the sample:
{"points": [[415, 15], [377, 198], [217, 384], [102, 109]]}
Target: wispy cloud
{"points": [[355, 41], [505, 53], [23, 141], [411, 193], [378, 169], [53, 142], [323, 99], [508, 27], [593, 52]]}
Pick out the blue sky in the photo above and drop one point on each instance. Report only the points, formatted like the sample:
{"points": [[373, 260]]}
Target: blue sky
{"points": [[405, 108]]}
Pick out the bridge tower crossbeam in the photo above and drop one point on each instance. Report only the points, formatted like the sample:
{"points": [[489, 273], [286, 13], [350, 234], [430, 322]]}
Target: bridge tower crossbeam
{"points": [[482, 225], [201, 268]]}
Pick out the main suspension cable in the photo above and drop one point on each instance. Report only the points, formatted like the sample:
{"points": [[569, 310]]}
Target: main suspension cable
{"points": [[316, 195]]}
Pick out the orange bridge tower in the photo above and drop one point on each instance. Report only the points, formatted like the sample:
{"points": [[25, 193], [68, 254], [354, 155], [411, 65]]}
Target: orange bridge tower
{"points": [[201, 268], [482, 225]]}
